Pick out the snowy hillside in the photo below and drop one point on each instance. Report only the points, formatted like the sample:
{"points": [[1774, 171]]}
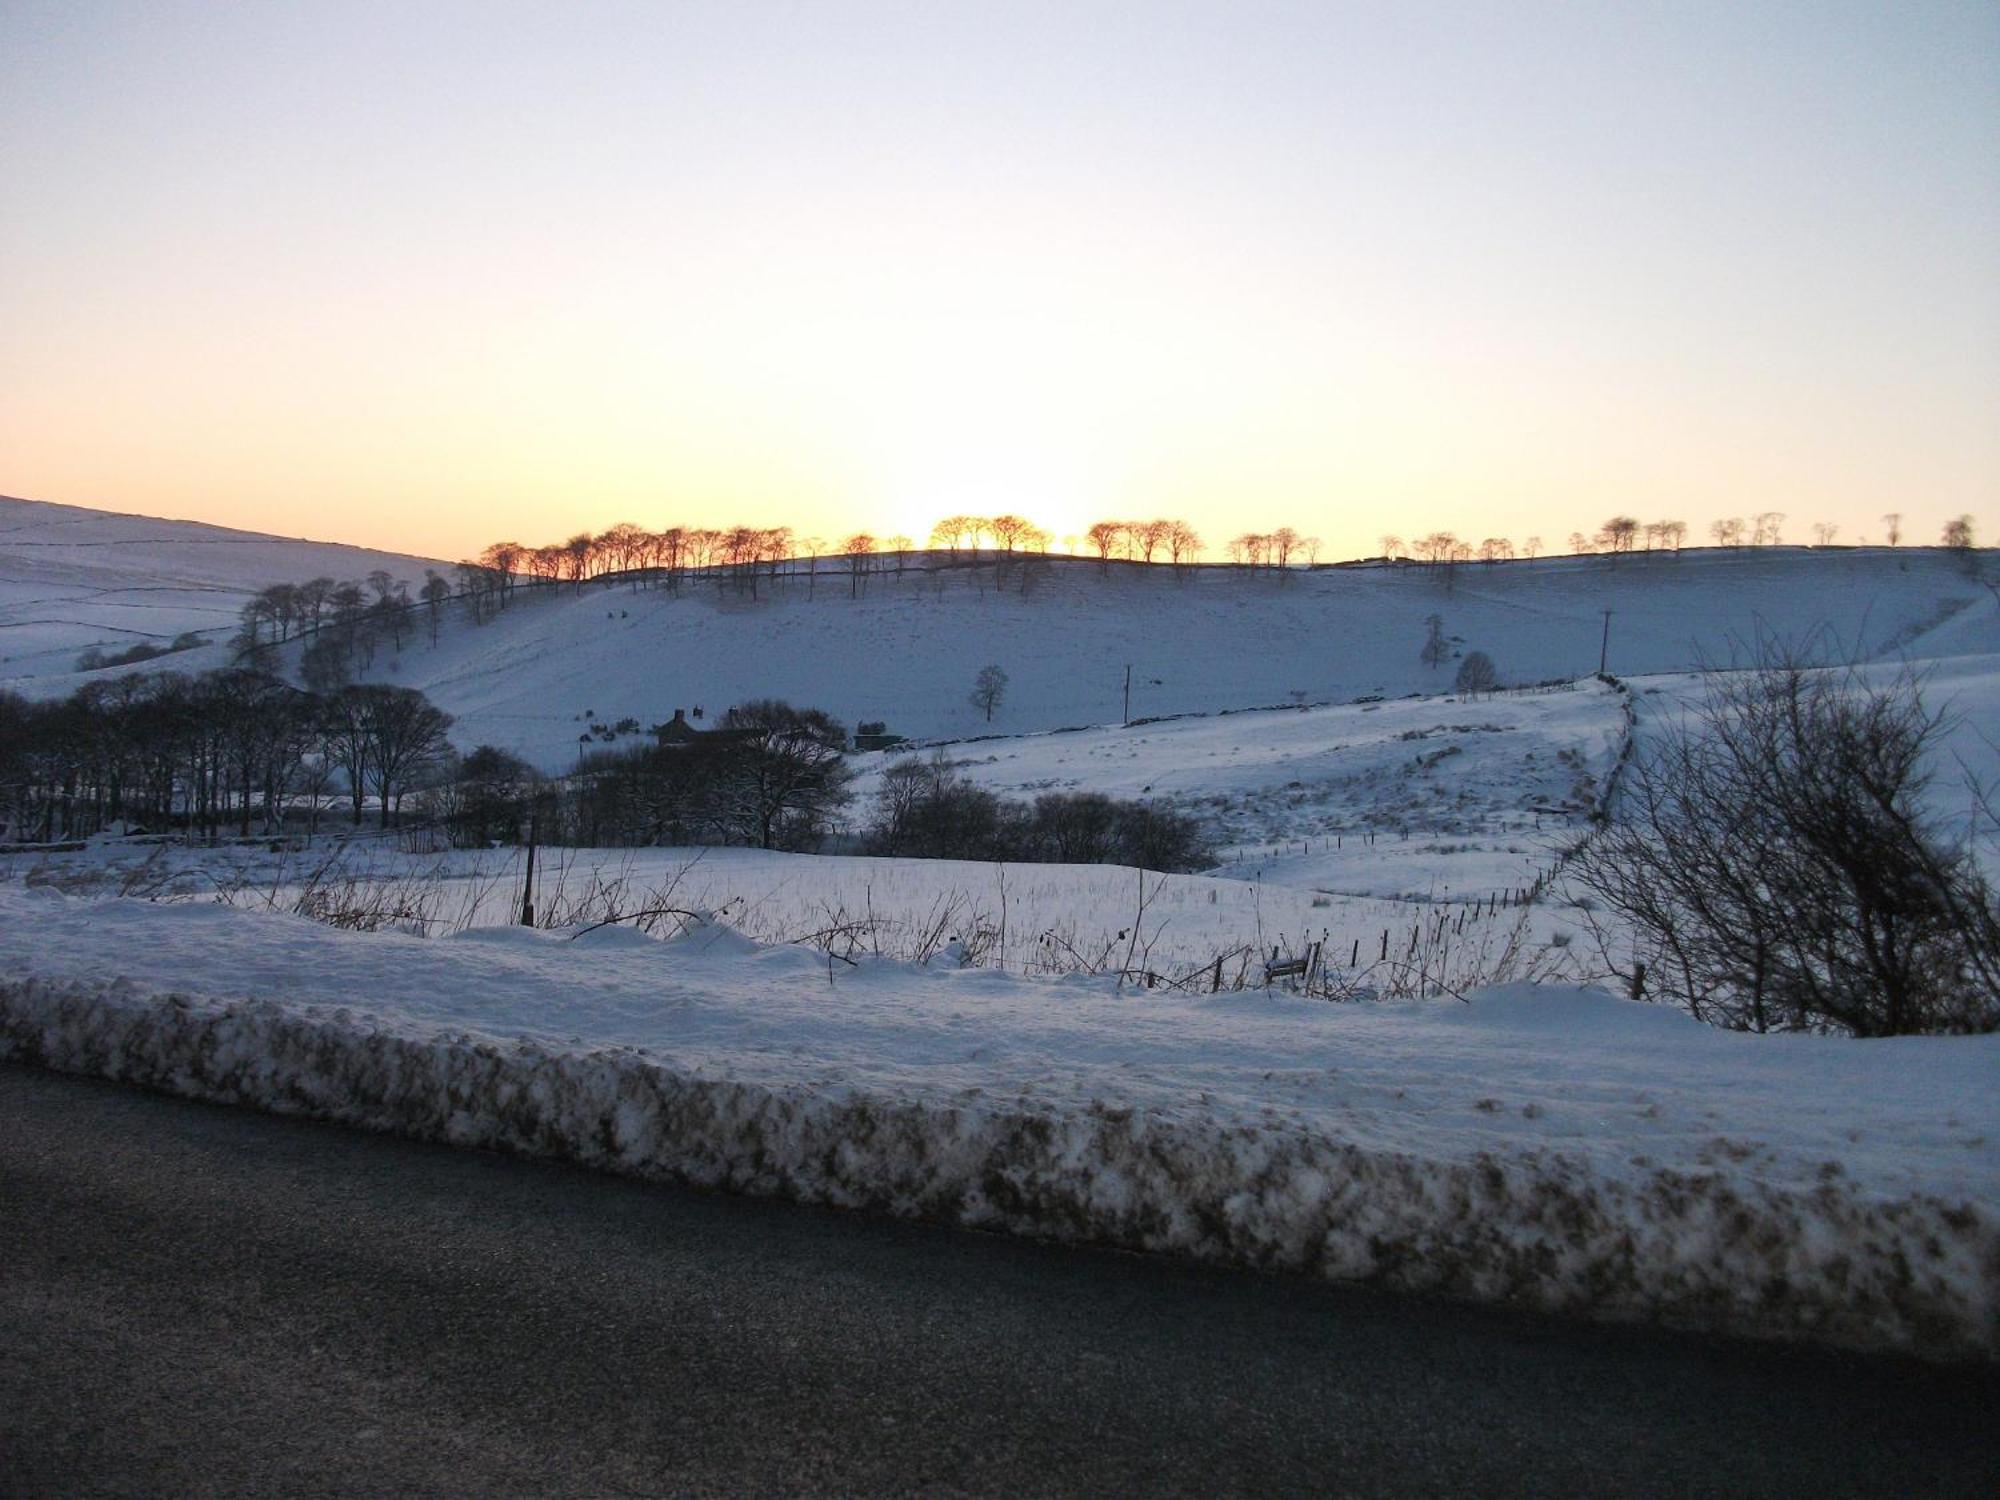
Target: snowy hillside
{"points": [[1429, 797], [907, 651], [72, 579]]}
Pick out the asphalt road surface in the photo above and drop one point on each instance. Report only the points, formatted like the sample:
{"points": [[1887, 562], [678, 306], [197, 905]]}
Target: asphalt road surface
{"points": [[213, 1301]]}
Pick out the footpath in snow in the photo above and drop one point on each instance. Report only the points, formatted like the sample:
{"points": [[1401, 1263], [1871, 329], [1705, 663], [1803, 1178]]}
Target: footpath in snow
{"points": [[1556, 1148]]}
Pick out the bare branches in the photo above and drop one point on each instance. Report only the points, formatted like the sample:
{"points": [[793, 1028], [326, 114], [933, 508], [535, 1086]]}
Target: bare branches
{"points": [[1778, 868]]}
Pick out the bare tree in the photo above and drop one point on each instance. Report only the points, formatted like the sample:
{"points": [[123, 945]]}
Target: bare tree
{"points": [[1012, 532], [1957, 534], [1476, 675], [1105, 536], [1436, 647], [1824, 532], [774, 549], [988, 688], [347, 739], [434, 594], [1768, 528], [1776, 863], [782, 771], [505, 559], [1728, 531], [1893, 524], [1618, 534], [406, 736], [544, 564], [860, 550], [1436, 548]]}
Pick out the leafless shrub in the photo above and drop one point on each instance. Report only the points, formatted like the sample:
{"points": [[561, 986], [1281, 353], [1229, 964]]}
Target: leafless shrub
{"points": [[1774, 860]]}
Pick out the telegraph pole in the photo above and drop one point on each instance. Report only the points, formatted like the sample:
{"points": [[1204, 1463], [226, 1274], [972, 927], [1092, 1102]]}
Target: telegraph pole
{"points": [[1604, 650], [1128, 694], [528, 886]]}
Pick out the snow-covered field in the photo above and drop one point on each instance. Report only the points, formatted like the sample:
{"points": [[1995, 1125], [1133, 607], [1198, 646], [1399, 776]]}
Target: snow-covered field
{"points": [[1022, 919], [1545, 1146], [1430, 798]]}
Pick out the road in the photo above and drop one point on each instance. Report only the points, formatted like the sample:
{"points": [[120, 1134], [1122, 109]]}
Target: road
{"points": [[203, 1300]]}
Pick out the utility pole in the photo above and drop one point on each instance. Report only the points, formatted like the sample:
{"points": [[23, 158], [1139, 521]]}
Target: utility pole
{"points": [[528, 886], [1128, 693], [1604, 650]]}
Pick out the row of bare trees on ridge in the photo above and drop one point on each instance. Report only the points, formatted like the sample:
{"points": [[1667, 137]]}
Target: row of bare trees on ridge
{"points": [[1623, 534]]}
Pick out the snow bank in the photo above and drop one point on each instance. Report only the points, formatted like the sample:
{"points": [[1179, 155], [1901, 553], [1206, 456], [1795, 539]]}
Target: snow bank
{"points": [[1559, 1150]]}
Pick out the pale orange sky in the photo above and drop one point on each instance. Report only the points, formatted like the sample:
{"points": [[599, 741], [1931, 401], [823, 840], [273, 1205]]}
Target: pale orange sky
{"points": [[422, 277]]}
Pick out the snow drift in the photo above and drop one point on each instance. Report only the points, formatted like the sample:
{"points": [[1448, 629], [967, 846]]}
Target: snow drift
{"points": [[1263, 1132]]}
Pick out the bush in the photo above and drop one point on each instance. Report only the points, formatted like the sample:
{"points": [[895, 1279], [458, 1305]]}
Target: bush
{"points": [[486, 797], [1776, 861], [1476, 675], [769, 775], [925, 810]]}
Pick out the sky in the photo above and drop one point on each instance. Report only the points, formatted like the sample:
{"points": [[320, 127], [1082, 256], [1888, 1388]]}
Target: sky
{"points": [[424, 276]]}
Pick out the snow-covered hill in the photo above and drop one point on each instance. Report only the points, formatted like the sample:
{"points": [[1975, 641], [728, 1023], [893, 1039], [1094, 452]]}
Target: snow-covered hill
{"points": [[908, 649], [72, 579]]}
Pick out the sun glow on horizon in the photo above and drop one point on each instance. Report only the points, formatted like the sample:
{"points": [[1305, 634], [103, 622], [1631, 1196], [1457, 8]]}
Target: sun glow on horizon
{"points": [[850, 270]]}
